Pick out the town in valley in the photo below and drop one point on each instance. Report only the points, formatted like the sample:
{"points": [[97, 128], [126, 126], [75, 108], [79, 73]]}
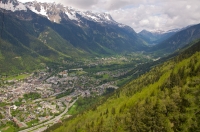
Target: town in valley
{"points": [[30, 99]]}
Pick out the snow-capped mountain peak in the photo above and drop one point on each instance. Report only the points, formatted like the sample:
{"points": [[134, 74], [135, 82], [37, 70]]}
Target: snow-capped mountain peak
{"points": [[168, 31], [57, 12], [49, 10], [98, 17]]}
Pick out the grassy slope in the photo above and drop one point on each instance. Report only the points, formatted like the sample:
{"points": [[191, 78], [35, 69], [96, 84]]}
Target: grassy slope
{"points": [[21, 48], [18, 58], [55, 42], [165, 99], [21, 51]]}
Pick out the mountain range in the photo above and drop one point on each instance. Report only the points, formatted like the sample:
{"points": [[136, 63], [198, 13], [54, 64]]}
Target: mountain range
{"points": [[86, 30], [34, 33], [162, 96]]}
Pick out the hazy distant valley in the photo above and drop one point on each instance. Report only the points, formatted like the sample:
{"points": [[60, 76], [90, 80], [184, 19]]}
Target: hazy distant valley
{"points": [[62, 69]]}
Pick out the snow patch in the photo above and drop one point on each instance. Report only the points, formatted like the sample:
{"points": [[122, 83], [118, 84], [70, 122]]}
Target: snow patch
{"points": [[93, 17], [11, 7], [121, 25], [71, 15], [42, 11], [107, 17]]}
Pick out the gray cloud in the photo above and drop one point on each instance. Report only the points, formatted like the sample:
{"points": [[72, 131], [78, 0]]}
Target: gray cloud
{"points": [[112, 4], [80, 4], [36, 0], [159, 15]]}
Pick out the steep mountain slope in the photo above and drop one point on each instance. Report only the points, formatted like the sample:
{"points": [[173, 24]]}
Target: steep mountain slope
{"points": [[165, 99], [22, 38], [17, 58], [55, 42], [178, 40], [153, 38]]}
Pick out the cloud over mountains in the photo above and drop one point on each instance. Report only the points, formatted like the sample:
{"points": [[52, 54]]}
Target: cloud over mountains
{"points": [[143, 14]]}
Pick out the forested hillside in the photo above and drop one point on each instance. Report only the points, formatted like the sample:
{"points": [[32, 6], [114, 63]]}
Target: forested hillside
{"points": [[164, 99]]}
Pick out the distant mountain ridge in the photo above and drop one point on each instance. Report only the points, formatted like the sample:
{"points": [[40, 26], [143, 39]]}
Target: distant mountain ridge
{"points": [[157, 36], [179, 39]]}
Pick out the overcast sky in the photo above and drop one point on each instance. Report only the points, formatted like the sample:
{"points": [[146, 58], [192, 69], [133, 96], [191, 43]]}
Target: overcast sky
{"points": [[143, 14]]}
